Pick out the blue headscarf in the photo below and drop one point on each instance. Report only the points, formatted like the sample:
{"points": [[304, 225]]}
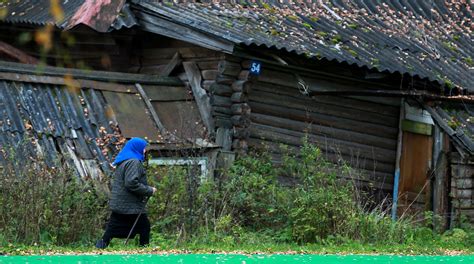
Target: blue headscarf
{"points": [[133, 150]]}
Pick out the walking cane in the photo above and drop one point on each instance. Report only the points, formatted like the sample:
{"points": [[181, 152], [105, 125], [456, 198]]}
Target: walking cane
{"points": [[136, 221]]}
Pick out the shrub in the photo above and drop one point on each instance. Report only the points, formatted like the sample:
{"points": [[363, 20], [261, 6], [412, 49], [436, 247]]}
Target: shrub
{"points": [[321, 204], [44, 204]]}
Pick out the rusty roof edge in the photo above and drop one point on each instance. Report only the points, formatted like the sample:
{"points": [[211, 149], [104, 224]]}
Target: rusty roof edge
{"points": [[106, 76]]}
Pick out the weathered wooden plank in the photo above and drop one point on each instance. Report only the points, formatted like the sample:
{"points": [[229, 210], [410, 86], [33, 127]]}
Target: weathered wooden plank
{"points": [[417, 127], [324, 120], [240, 109], [223, 101], [456, 158], [209, 74], [463, 194], [225, 79], [221, 110], [242, 86], [290, 80], [348, 103], [466, 183], [462, 171], [239, 97], [105, 76], [206, 85], [295, 138], [370, 169], [146, 69], [462, 203], [331, 132], [220, 89], [167, 28], [185, 53], [224, 138], [131, 115], [207, 65], [244, 75], [240, 120], [229, 68], [468, 212], [413, 197], [223, 122], [161, 26], [103, 86], [181, 118], [241, 132], [327, 109], [441, 183], [203, 101], [216, 114], [167, 93], [150, 108], [172, 64]]}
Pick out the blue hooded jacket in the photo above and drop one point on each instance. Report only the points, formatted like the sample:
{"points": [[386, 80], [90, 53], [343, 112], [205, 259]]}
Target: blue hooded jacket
{"points": [[133, 149]]}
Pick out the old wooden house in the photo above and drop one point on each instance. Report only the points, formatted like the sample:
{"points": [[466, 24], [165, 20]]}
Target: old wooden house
{"points": [[384, 86]]}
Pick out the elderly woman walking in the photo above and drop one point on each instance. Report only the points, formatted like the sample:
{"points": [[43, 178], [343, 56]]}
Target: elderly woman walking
{"points": [[130, 192]]}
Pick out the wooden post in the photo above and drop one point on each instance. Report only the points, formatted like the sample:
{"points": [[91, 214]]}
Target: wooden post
{"points": [[202, 99]]}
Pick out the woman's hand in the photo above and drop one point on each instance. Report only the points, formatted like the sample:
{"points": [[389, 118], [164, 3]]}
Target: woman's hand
{"points": [[154, 190]]}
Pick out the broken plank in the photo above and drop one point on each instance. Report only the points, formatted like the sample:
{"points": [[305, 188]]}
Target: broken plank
{"points": [[172, 64], [150, 108]]}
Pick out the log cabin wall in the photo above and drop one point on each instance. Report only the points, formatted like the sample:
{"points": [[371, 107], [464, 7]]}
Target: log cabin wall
{"points": [[220, 76], [462, 187], [360, 130]]}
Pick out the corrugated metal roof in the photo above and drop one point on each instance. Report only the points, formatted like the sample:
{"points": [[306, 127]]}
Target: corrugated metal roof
{"points": [[79, 120], [429, 39], [37, 12], [54, 117]]}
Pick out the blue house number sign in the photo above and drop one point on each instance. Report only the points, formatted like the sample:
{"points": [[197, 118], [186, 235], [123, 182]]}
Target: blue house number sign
{"points": [[255, 67]]}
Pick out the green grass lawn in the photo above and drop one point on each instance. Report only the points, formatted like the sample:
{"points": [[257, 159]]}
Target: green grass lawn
{"points": [[238, 259]]}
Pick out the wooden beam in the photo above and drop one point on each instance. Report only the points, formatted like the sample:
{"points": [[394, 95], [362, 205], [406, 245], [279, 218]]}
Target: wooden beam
{"points": [[393, 93], [202, 99], [417, 127], [103, 86], [150, 108], [17, 54], [174, 62], [105, 76], [152, 22]]}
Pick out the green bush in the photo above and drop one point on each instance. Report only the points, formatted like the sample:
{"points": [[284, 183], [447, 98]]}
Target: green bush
{"points": [[321, 204], [48, 205], [304, 200]]}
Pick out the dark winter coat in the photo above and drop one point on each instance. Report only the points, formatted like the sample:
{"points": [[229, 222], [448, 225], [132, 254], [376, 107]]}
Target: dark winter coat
{"points": [[129, 188]]}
